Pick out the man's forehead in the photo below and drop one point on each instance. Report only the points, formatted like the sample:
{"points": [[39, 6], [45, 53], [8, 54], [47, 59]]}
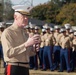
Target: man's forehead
{"points": [[24, 15]]}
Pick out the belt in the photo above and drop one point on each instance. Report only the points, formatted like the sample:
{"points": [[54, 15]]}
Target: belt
{"points": [[24, 64]]}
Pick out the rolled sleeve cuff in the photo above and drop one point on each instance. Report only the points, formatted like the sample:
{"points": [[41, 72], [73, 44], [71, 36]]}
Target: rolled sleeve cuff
{"points": [[22, 48]]}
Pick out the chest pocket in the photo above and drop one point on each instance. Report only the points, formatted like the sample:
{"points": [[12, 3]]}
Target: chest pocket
{"points": [[19, 38]]}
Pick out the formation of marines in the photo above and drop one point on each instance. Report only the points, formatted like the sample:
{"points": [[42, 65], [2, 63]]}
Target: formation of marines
{"points": [[57, 48]]}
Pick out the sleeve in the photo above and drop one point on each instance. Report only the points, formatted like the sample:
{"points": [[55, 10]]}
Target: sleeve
{"points": [[8, 47], [71, 43], [32, 52], [60, 41], [54, 40]]}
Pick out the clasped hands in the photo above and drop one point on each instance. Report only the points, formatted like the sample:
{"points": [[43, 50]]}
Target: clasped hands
{"points": [[33, 40]]}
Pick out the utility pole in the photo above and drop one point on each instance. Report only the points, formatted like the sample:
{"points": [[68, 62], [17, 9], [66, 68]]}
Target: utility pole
{"points": [[31, 2], [28, 2]]}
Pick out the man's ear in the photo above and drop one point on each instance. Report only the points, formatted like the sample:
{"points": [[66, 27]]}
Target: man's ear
{"points": [[15, 17]]}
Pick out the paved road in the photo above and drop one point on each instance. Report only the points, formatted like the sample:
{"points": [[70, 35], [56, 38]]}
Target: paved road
{"points": [[38, 72]]}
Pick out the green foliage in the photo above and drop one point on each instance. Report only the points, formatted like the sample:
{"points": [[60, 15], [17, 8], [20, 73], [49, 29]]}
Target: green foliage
{"points": [[39, 12], [6, 12], [63, 1], [1, 11], [54, 12], [46, 12], [67, 14]]}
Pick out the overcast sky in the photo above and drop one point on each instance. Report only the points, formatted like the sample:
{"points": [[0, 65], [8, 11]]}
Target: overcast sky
{"points": [[28, 2]]}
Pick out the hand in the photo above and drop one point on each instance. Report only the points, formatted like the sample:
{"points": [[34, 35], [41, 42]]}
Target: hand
{"points": [[32, 40], [37, 46]]}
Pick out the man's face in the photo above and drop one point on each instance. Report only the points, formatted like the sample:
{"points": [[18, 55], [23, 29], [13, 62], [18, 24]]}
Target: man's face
{"points": [[64, 33], [36, 30], [48, 30], [2, 29], [67, 30], [57, 30], [74, 36], [32, 30], [22, 20]]}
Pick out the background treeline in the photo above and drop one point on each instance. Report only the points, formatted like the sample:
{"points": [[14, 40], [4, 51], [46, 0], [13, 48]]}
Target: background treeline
{"points": [[54, 11], [6, 12]]}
